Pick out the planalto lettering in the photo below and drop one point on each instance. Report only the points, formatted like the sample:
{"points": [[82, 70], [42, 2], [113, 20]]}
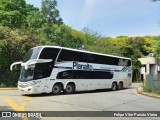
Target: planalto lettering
{"points": [[78, 66]]}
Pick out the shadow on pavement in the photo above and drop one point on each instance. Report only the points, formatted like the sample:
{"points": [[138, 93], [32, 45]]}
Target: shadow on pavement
{"points": [[83, 92], [5, 108]]}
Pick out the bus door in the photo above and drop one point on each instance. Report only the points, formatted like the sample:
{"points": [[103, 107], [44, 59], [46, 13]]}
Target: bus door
{"points": [[42, 73]]}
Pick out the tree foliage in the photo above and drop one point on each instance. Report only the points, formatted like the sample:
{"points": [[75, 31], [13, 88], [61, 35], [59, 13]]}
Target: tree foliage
{"points": [[50, 12], [13, 46], [138, 47], [91, 36], [156, 48], [35, 20], [13, 13]]}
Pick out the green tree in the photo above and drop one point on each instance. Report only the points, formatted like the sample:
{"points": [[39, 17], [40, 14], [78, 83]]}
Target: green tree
{"points": [[13, 13], [52, 17], [13, 46], [136, 66], [109, 45], [138, 47], [35, 20], [91, 36], [62, 35], [157, 49], [78, 39], [50, 12]]}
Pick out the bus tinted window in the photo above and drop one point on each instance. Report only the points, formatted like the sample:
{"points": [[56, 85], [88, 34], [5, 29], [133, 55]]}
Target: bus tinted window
{"points": [[79, 74], [92, 58], [42, 70], [97, 75], [32, 54], [81, 57], [129, 63], [49, 53], [114, 61], [69, 55]]}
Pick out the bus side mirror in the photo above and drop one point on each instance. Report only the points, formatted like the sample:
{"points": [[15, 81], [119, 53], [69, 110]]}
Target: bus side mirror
{"points": [[13, 64]]}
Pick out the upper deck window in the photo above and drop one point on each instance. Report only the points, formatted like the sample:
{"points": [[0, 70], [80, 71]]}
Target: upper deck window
{"points": [[69, 55], [49, 53], [32, 54]]}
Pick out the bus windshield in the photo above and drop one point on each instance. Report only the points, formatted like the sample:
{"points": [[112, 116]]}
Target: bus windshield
{"points": [[36, 71], [32, 54], [27, 75]]}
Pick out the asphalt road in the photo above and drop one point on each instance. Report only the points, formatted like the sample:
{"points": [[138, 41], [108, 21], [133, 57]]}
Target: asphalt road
{"points": [[101, 100]]}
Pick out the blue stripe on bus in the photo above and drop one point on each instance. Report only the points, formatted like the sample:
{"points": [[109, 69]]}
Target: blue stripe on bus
{"points": [[87, 70]]}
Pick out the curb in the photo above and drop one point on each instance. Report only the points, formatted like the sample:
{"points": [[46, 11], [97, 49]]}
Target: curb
{"points": [[140, 91], [8, 88]]}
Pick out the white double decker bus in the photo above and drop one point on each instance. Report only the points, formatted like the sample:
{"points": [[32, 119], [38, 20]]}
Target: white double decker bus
{"points": [[47, 69]]}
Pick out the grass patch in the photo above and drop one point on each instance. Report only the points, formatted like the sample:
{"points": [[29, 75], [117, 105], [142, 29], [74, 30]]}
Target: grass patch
{"points": [[157, 92], [146, 89]]}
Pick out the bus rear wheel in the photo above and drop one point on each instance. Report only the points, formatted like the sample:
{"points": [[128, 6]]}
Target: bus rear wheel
{"points": [[114, 86], [120, 86], [57, 88], [70, 88]]}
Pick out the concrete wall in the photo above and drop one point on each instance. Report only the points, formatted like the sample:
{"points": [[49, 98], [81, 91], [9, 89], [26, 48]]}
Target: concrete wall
{"points": [[151, 68], [148, 60]]}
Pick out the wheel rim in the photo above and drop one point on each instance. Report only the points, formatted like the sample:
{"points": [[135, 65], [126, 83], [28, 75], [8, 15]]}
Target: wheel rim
{"points": [[69, 89], [56, 89]]}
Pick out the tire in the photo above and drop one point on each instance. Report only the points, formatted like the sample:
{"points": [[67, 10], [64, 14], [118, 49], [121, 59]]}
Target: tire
{"points": [[57, 88], [114, 86], [120, 86], [70, 88]]}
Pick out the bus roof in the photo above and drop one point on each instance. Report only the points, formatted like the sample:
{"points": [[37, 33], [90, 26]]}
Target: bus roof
{"points": [[45, 46]]}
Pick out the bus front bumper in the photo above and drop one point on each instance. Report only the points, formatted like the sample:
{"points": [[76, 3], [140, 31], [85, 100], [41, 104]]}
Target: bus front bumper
{"points": [[29, 89]]}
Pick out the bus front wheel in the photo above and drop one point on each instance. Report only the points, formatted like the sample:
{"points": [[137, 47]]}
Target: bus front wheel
{"points": [[57, 88], [70, 88]]}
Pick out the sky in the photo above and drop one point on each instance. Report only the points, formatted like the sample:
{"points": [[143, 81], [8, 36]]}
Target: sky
{"points": [[110, 18]]}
